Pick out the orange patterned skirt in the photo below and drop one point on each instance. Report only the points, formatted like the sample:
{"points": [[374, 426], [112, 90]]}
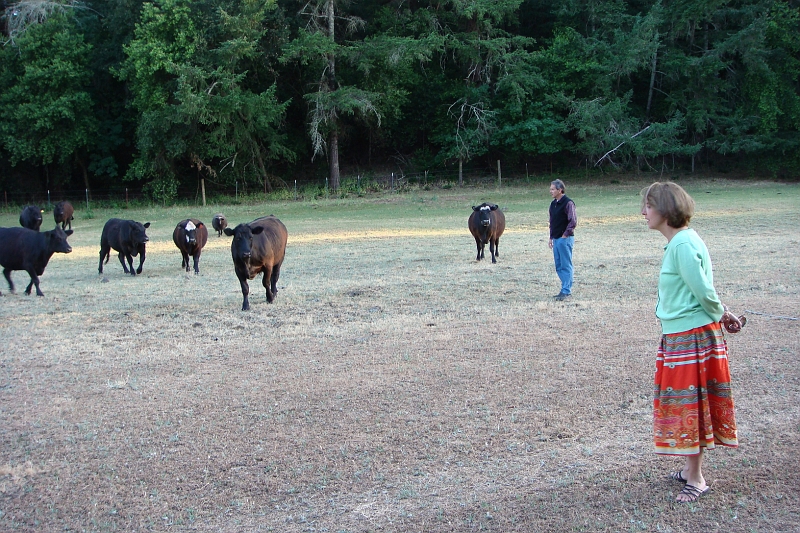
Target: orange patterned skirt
{"points": [[693, 403]]}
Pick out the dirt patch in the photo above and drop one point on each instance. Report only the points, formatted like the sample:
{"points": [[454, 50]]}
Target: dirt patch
{"points": [[395, 385]]}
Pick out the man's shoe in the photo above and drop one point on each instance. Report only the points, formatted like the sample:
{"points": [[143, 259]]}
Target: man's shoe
{"points": [[562, 296]]}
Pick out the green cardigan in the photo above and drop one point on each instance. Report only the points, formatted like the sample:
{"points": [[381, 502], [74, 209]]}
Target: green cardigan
{"points": [[686, 295]]}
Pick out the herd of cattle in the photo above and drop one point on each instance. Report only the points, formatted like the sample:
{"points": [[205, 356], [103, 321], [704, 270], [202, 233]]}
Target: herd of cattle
{"points": [[257, 247]]}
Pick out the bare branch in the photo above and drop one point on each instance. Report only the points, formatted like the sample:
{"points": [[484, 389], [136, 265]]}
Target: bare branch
{"points": [[620, 144]]}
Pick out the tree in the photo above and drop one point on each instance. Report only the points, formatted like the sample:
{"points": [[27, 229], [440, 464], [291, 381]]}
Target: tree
{"points": [[46, 110], [331, 100], [196, 108]]}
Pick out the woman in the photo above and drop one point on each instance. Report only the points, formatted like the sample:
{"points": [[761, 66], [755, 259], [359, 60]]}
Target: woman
{"points": [[693, 405]]}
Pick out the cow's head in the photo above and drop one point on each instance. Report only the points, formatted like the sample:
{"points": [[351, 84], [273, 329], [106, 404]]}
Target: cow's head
{"points": [[483, 211], [138, 235], [242, 240], [57, 240], [190, 233]]}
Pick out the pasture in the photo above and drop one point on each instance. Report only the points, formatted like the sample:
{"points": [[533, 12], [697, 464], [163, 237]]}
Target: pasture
{"points": [[396, 384]]}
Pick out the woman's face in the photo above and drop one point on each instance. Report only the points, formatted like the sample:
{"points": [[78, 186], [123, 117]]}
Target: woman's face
{"points": [[653, 217]]}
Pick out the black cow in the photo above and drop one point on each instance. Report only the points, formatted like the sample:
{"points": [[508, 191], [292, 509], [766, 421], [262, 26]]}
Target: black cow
{"points": [[487, 223], [219, 223], [126, 237], [62, 213], [31, 217], [259, 246], [29, 250], [190, 236]]}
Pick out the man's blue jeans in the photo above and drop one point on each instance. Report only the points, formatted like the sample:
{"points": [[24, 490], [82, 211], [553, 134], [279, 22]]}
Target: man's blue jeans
{"points": [[562, 253]]}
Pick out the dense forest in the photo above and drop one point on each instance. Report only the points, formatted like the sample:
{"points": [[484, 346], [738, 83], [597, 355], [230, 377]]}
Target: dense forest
{"points": [[111, 94]]}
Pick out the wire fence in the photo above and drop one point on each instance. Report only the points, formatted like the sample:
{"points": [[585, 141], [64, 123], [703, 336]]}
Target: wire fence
{"points": [[207, 191]]}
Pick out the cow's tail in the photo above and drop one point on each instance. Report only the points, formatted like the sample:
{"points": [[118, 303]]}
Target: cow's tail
{"points": [[108, 254]]}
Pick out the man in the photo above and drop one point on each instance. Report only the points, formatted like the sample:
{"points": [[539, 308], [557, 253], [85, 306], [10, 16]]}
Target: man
{"points": [[562, 236]]}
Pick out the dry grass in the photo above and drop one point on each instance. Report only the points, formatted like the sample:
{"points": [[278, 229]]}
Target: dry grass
{"points": [[395, 384]]}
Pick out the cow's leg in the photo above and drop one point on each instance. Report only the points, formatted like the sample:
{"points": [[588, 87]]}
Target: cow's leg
{"points": [[497, 247], [141, 261], [103, 255], [34, 281], [196, 263], [266, 281], [491, 250], [276, 272], [122, 257], [184, 261], [245, 293], [478, 244], [7, 274]]}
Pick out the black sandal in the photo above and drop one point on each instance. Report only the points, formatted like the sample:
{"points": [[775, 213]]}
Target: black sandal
{"points": [[677, 476], [692, 492]]}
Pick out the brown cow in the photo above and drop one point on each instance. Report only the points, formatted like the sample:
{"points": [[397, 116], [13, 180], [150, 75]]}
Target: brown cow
{"points": [[62, 213], [259, 246], [190, 236], [487, 223]]}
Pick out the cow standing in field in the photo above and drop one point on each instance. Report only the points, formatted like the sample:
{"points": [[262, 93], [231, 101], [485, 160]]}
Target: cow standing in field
{"points": [[487, 223], [62, 213], [219, 223], [31, 217], [127, 237], [259, 246], [190, 236], [29, 250]]}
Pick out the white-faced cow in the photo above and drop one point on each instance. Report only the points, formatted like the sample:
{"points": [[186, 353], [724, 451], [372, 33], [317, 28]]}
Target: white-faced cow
{"points": [[190, 236], [219, 223], [487, 223], [29, 250], [259, 246], [127, 237], [31, 217], [62, 213]]}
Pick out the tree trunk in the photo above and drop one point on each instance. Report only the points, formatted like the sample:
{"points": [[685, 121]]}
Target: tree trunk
{"points": [[460, 171], [267, 184], [652, 82], [333, 146]]}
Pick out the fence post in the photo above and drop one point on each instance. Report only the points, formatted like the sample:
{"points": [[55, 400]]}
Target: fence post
{"points": [[499, 175], [48, 197], [203, 188], [392, 181], [87, 199], [295, 190], [237, 190], [126, 198], [327, 193], [5, 195]]}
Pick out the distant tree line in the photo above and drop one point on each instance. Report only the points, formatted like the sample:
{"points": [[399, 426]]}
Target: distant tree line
{"points": [[111, 94]]}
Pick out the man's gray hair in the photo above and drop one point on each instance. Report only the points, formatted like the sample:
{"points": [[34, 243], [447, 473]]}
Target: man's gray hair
{"points": [[558, 184]]}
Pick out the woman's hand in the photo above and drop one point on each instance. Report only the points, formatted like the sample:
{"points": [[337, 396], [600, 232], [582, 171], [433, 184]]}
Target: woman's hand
{"points": [[731, 323]]}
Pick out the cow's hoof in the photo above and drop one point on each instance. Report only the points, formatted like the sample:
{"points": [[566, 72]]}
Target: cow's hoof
{"points": [[139, 270]]}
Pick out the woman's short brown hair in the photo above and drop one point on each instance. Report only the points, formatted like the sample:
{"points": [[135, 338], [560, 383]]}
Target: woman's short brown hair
{"points": [[671, 201]]}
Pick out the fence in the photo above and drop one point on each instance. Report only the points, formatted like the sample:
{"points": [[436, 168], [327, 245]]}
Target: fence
{"points": [[301, 189]]}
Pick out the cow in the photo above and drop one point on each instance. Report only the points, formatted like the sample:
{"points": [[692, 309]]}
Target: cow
{"points": [[487, 223], [62, 213], [219, 223], [31, 217], [190, 236], [259, 246], [127, 237], [30, 250]]}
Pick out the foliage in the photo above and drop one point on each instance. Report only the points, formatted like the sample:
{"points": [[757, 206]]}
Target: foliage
{"points": [[45, 106], [255, 91]]}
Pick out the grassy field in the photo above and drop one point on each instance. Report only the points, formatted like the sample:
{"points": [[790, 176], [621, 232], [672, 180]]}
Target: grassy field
{"points": [[396, 384]]}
